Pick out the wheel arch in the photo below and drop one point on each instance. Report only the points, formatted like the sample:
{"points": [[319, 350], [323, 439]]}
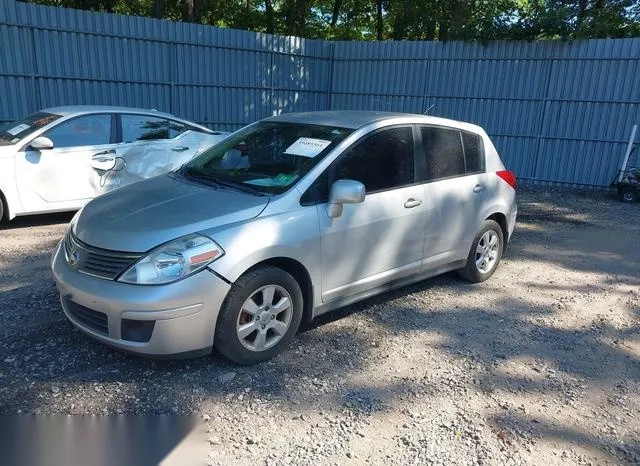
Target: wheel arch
{"points": [[300, 273], [501, 219]]}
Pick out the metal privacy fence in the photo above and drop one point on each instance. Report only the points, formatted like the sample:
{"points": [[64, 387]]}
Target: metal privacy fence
{"points": [[558, 112]]}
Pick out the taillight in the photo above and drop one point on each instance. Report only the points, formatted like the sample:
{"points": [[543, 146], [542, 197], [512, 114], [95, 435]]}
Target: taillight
{"points": [[508, 176]]}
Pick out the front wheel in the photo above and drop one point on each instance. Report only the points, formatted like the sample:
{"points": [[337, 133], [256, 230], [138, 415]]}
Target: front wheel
{"points": [[485, 254], [260, 316]]}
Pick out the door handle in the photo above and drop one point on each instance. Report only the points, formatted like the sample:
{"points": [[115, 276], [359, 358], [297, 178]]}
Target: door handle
{"points": [[104, 156], [411, 202], [180, 149], [478, 188], [105, 160]]}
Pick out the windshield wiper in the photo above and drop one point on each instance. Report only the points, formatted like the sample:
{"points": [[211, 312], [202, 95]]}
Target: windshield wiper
{"points": [[238, 185], [215, 181]]}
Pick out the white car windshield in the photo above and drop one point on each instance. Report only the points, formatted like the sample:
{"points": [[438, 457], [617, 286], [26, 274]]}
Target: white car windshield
{"points": [[266, 158], [12, 133]]}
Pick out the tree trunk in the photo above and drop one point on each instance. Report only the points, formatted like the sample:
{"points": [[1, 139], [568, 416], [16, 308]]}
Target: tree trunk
{"points": [[336, 12], [187, 11], [268, 8], [158, 7], [379, 23]]}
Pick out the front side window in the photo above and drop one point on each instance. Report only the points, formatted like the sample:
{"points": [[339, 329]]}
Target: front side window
{"points": [[86, 130], [268, 157], [443, 150], [14, 132], [382, 161], [143, 128]]}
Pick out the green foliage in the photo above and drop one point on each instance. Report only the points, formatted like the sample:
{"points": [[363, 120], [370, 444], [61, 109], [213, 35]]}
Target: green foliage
{"points": [[394, 19]]}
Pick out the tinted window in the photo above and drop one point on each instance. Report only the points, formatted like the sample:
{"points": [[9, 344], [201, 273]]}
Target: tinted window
{"points": [[144, 128], [382, 161], [474, 157], [443, 149], [88, 130]]}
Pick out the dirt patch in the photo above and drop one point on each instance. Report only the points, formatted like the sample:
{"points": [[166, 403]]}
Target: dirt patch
{"points": [[540, 365]]}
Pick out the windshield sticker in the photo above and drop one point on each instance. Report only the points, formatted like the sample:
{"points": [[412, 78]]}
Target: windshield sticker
{"points": [[280, 180], [17, 129], [307, 147]]}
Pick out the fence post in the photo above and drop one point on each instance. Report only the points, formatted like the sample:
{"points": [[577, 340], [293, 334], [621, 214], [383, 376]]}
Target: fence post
{"points": [[541, 126], [329, 103], [35, 71]]}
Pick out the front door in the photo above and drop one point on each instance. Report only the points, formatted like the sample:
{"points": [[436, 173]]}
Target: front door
{"points": [[382, 238], [64, 177]]}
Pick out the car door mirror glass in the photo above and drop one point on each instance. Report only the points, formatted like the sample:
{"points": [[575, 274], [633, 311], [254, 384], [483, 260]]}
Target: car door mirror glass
{"points": [[41, 143], [344, 192]]}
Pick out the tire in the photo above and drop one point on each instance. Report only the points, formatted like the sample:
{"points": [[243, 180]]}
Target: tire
{"points": [[628, 195], [2, 209], [245, 311], [472, 271]]}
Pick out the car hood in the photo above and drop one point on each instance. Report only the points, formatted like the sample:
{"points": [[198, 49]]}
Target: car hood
{"points": [[143, 215]]}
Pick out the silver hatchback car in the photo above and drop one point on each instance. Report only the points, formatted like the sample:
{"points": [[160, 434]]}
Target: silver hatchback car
{"points": [[284, 220]]}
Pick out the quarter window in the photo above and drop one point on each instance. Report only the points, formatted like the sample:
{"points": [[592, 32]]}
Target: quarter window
{"points": [[473, 155], [144, 128], [87, 130], [382, 161], [443, 150]]}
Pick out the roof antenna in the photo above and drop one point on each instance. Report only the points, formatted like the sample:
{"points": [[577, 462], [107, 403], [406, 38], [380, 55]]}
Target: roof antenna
{"points": [[426, 112]]}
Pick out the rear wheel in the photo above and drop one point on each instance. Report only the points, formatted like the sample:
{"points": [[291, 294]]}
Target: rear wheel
{"points": [[2, 208], [260, 316], [485, 254], [628, 194]]}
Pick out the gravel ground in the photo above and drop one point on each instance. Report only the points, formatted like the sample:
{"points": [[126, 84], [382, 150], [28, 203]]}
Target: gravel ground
{"points": [[539, 365]]}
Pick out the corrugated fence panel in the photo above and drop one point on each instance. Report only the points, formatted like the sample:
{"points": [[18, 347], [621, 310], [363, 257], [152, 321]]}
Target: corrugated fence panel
{"points": [[558, 112]]}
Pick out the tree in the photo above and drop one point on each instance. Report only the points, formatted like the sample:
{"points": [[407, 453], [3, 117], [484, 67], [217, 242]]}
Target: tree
{"points": [[394, 19]]}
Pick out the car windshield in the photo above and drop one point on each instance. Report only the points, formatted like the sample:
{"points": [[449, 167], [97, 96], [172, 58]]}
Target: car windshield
{"points": [[12, 133], [265, 158]]}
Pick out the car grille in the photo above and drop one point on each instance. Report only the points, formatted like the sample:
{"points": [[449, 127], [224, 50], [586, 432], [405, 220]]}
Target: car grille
{"points": [[88, 317], [94, 261]]}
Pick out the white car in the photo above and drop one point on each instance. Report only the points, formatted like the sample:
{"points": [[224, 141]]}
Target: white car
{"points": [[59, 158]]}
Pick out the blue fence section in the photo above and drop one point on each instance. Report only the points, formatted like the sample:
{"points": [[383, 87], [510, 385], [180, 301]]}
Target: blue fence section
{"points": [[558, 112]]}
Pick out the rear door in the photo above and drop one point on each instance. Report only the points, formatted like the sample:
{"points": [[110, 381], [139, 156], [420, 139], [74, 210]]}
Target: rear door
{"points": [[455, 192], [152, 145], [65, 177]]}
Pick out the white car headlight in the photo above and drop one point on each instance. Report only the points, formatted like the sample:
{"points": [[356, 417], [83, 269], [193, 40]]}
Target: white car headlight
{"points": [[173, 261]]}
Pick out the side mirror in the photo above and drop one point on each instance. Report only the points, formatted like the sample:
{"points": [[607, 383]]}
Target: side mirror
{"points": [[41, 143], [344, 192]]}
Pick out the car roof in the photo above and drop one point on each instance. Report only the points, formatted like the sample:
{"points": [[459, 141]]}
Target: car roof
{"points": [[355, 119], [71, 109], [68, 110]]}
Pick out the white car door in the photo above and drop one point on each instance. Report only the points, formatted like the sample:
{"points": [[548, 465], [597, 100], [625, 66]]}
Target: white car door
{"points": [[381, 239], [64, 176], [153, 145]]}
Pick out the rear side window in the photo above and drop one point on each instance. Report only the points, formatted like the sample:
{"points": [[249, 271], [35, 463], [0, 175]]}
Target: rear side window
{"points": [[143, 128], [473, 154], [176, 129], [444, 153]]}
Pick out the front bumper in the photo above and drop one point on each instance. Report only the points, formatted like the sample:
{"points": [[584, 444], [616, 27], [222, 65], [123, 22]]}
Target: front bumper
{"points": [[184, 312]]}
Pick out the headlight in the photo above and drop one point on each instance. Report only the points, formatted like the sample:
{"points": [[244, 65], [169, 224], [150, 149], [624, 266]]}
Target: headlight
{"points": [[173, 261]]}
